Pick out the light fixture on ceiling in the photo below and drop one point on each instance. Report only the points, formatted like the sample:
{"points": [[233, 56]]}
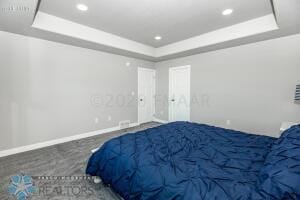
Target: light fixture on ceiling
{"points": [[127, 64], [158, 37], [82, 7], [227, 12]]}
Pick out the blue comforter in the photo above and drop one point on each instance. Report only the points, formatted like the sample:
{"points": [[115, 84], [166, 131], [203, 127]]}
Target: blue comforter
{"points": [[183, 160]]}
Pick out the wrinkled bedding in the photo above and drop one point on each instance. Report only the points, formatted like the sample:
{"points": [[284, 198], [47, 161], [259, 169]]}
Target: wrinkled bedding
{"points": [[183, 160]]}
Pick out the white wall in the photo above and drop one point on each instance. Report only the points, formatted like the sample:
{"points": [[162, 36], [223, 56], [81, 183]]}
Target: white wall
{"points": [[50, 90], [251, 85]]}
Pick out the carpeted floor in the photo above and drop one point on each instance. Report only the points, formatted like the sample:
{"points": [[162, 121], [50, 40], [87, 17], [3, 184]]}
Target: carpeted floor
{"points": [[56, 162]]}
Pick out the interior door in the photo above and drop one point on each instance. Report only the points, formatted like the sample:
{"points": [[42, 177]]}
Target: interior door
{"points": [[146, 94], [179, 93]]}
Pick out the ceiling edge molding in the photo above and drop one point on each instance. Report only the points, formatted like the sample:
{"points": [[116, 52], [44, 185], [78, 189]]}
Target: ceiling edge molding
{"points": [[37, 8], [273, 9]]}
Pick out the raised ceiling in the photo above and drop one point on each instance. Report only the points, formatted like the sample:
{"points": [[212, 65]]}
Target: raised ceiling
{"points": [[142, 20], [128, 27]]}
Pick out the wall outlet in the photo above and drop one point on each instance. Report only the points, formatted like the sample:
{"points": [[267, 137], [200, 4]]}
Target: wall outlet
{"points": [[228, 122], [109, 118], [96, 120]]}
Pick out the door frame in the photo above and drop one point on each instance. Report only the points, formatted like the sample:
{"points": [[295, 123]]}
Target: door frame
{"points": [[171, 69], [140, 69]]}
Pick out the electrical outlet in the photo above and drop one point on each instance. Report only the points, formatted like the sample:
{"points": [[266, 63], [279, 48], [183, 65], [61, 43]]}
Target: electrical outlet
{"points": [[96, 120], [109, 118], [228, 122]]}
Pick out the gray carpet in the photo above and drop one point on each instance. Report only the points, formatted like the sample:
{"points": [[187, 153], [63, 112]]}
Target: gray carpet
{"points": [[68, 159]]}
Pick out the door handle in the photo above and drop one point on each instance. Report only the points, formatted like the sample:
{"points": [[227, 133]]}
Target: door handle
{"points": [[172, 100]]}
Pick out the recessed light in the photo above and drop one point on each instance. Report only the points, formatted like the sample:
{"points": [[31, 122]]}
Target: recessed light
{"points": [[82, 7], [158, 37], [227, 12], [128, 64]]}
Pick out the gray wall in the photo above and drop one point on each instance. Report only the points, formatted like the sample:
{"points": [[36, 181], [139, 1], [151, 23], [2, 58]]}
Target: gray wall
{"points": [[50, 90], [251, 85]]}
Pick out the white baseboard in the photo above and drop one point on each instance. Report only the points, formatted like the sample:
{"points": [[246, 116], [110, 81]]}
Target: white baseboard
{"points": [[40, 145], [160, 121]]}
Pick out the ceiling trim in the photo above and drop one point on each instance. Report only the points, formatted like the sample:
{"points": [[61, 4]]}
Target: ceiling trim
{"points": [[53, 24], [37, 7]]}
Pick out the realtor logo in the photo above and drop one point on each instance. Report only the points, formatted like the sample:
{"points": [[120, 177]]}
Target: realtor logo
{"points": [[21, 186]]}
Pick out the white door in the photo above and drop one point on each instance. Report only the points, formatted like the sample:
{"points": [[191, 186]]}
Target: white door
{"points": [[146, 95], [179, 93]]}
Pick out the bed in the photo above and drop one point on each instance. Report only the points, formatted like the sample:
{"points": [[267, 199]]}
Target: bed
{"points": [[190, 161]]}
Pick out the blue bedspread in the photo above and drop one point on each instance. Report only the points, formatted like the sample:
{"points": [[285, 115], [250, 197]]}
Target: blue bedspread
{"points": [[183, 160]]}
